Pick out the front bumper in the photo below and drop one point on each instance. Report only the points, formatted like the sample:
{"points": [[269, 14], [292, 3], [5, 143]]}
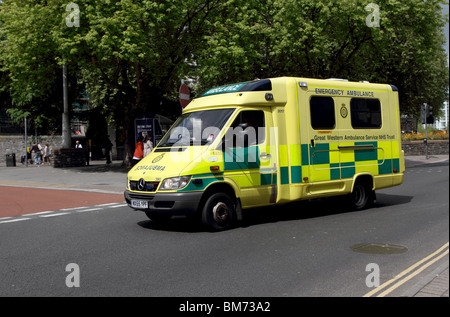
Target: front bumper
{"points": [[173, 204]]}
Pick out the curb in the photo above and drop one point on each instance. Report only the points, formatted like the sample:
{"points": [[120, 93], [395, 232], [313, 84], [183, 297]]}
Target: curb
{"points": [[434, 284], [417, 161]]}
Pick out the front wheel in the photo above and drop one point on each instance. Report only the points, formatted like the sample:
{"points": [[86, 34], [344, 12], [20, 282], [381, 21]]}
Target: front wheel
{"points": [[218, 212]]}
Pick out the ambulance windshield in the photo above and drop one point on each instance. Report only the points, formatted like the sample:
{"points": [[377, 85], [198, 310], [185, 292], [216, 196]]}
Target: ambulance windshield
{"points": [[196, 128]]}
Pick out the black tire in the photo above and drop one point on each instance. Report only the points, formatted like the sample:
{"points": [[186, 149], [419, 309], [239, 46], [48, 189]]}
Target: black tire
{"points": [[359, 198], [218, 212], [157, 218]]}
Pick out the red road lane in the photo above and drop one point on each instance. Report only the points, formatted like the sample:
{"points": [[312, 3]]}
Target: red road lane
{"points": [[17, 201]]}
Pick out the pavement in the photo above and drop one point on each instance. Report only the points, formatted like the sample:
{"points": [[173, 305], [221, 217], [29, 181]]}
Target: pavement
{"points": [[436, 283], [100, 177], [416, 161]]}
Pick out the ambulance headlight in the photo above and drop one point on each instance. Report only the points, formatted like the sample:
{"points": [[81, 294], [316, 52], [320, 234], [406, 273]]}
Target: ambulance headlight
{"points": [[174, 183]]}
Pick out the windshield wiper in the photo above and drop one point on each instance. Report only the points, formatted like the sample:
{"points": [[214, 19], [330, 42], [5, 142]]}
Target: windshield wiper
{"points": [[199, 142], [167, 144], [191, 142]]}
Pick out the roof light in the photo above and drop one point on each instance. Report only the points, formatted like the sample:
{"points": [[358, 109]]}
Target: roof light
{"points": [[303, 84], [340, 79]]}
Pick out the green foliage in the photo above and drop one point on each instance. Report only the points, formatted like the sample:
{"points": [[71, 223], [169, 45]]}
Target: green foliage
{"points": [[410, 45], [26, 42], [131, 55], [327, 38]]}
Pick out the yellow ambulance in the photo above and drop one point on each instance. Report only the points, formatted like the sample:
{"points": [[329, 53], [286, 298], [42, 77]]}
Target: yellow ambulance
{"points": [[272, 141]]}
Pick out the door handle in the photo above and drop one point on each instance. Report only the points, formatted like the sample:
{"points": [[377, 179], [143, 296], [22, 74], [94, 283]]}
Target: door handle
{"points": [[263, 155]]}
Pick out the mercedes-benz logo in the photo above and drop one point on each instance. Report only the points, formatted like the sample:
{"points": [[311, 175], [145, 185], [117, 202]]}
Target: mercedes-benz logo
{"points": [[141, 184]]}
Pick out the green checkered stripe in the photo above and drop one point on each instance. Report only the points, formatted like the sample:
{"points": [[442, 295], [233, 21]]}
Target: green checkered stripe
{"points": [[206, 179], [328, 158], [323, 155], [237, 160]]}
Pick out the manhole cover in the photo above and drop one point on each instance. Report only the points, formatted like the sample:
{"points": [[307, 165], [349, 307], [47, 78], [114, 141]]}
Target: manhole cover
{"points": [[378, 248]]}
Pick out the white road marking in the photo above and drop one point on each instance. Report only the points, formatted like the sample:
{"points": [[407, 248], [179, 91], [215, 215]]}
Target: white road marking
{"points": [[121, 205], [55, 215], [90, 209], [14, 220], [60, 212]]}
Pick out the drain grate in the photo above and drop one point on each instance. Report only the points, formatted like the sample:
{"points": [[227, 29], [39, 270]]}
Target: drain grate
{"points": [[379, 248]]}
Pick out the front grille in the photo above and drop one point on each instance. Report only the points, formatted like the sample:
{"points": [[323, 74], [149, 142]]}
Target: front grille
{"points": [[145, 186], [164, 204], [140, 196]]}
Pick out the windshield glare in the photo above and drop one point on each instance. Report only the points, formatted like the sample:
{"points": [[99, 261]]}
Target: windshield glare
{"points": [[196, 128]]}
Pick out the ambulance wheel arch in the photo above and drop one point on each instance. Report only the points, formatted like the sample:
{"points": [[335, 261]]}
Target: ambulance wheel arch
{"points": [[219, 207], [362, 192]]}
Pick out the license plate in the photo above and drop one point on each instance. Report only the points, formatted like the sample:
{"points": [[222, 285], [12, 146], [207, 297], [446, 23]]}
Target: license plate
{"points": [[139, 204]]}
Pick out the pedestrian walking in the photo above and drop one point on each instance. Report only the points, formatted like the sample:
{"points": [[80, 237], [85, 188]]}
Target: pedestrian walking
{"points": [[36, 153], [138, 151], [148, 145], [29, 155], [46, 152], [40, 153]]}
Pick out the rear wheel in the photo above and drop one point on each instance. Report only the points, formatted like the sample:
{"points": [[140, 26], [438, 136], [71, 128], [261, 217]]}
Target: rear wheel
{"points": [[360, 196], [218, 212]]}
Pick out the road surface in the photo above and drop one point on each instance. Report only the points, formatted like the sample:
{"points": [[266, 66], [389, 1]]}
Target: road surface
{"points": [[297, 250]]}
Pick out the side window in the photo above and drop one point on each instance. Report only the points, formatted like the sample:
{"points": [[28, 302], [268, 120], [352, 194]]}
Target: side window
{"points": [[322, 113], [365, 113], [247, 129]]}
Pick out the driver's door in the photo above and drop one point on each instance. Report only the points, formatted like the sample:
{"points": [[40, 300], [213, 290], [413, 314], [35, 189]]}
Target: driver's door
{"points": [[248, 160]]}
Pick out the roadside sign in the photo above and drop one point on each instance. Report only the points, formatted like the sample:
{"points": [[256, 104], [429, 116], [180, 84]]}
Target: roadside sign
{"points": [[184, 95]]}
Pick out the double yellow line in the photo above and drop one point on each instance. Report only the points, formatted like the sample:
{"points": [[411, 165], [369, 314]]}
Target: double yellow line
{"points": [[409, 273]]}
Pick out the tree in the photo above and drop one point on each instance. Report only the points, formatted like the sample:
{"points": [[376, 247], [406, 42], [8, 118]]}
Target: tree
{"points": [[131, 55], [31, 74], [238, 44], [326, 38], [409, 48]]}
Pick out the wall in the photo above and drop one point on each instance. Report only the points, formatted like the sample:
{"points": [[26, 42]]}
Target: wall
{"points": [[435, 147], [16, 144]]}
